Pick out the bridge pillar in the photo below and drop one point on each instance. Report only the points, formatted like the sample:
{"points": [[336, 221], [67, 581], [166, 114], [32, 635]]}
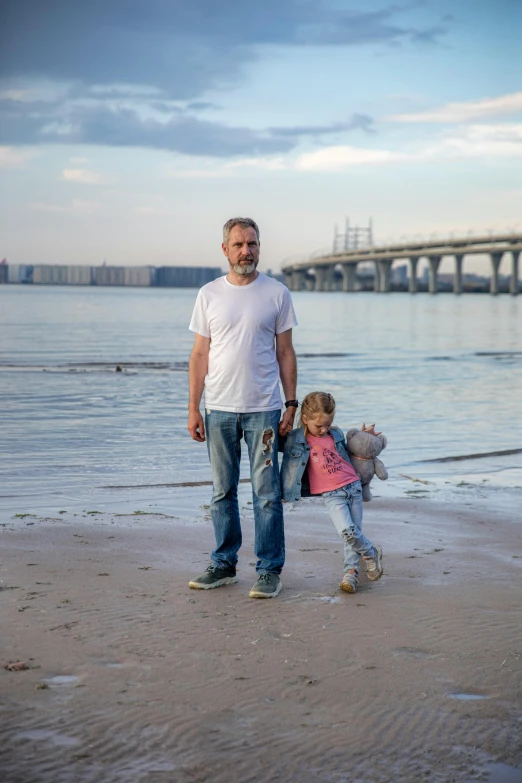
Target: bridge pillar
{"points": [[496, 258], [412, 285], [348, 272], [384, 275], [329, 278], [297, 279], [288, 279], [323, 276], [457, 279], [434, 262], [320, 278], [377, 278], [513, 283]]}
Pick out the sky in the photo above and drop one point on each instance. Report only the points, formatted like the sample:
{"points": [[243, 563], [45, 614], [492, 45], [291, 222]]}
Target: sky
{"points": [[130, 131]]}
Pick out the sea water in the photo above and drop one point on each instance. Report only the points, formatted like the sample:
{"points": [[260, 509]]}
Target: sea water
{"points": [[94, 390]]}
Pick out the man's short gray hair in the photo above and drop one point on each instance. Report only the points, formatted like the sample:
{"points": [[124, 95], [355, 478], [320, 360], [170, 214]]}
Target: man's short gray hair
{"points": [[238, 221]]}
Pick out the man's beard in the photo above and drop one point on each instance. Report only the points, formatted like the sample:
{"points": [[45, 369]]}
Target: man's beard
{"points": [[241, 269]]}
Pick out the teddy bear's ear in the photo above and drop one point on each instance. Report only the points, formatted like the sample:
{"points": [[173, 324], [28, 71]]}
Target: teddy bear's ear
{"points": [[383, 439], [350, 433]]}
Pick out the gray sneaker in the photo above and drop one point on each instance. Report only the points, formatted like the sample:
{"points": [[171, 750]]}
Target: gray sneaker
{"points": [[267, 586], [214, 577], [374, 564], [349, 581]]}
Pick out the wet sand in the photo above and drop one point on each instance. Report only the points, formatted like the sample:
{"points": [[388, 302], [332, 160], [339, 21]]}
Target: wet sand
{"points": [[133, 677]]}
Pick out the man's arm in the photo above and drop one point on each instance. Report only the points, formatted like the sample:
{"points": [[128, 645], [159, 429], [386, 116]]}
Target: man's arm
{"points": [[288, 373], [198, 368]]}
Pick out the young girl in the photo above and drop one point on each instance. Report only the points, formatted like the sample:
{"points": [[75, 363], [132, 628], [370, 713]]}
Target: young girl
{"points": [[316, 462]]}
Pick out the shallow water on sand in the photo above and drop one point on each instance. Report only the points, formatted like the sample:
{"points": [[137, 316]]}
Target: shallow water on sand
{"points": [[440, 375]]}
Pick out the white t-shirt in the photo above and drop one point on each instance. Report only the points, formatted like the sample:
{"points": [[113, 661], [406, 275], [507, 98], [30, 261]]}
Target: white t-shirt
{"points": [[242, 321]]}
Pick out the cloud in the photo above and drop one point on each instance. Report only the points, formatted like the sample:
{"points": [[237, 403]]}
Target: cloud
{"points": [[202, 106], [38, 89], [341, 157], [358, 121], [84, 176], [335, 26], [474, 141], [499, 141], [125, 91], [182, 48], [117, 123], [208, 168], [14, 158], [123, 127], [430, 36], [124, 73], [466, 111], [327, 159]]}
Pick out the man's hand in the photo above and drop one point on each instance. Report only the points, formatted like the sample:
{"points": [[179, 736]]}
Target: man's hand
{"points": [[288, 373], [198, 368], [195, 426], [286, 424]]}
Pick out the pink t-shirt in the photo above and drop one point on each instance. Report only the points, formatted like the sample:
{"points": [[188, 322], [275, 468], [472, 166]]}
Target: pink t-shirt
{"points": [[327, 470]]}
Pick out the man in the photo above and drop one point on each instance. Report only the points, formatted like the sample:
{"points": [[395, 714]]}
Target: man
{"points": [[242, 349]]}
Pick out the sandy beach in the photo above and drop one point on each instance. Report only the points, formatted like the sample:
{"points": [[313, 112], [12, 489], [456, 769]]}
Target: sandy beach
{"points": [[134, 677]]}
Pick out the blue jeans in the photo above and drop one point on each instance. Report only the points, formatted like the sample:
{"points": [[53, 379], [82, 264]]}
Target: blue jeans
{"points": [[345, 508], [224, 431]]}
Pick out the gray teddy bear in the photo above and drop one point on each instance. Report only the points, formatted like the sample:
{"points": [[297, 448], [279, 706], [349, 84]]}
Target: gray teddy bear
{"points": [[364, 447]]}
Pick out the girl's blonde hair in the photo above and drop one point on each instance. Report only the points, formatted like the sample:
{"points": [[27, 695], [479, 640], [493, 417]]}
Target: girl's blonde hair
{"points": [[314, 403]]}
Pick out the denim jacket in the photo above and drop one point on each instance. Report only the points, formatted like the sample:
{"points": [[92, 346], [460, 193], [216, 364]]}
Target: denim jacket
{"points": [[296, 451]]}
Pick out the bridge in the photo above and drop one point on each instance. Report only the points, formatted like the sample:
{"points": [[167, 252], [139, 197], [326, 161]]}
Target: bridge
{"points": [[319, 272]]}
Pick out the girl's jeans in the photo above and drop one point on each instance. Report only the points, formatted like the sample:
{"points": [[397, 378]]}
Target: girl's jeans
{"points": [[345, 508], [224, 431]]}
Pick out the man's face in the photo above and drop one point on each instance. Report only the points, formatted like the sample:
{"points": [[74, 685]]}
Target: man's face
{"points": [[242, 250]]}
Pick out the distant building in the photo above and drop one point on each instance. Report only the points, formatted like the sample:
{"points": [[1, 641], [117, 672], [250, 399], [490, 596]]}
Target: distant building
{"points": [[19, 273], [108, 275], [50, 274], [139, 275], [142, 276], [399, 274], [186, 276], [79, 275], [13, 273]]}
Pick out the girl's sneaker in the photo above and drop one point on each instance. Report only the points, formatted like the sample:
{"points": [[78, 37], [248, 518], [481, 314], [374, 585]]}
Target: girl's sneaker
{"points": [[349, 582], [374, 564]]}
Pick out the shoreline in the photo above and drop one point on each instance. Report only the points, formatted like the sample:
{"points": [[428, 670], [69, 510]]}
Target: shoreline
{"points": [[135, 677], [497, 482]]}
